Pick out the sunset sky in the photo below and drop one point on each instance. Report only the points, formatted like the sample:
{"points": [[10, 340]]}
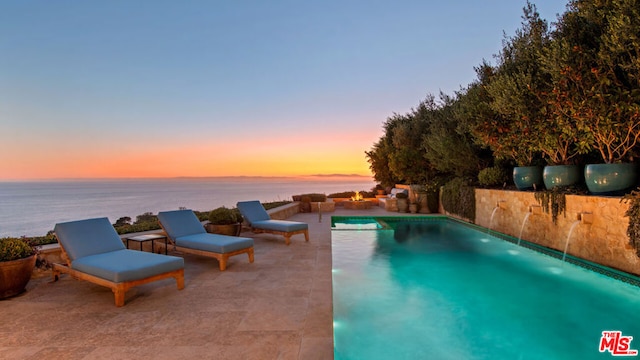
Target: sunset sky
{"points": [[103, 89]]}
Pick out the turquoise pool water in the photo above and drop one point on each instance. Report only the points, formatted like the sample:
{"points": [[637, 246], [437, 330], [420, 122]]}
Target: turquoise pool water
{"points": [[439, 289]]}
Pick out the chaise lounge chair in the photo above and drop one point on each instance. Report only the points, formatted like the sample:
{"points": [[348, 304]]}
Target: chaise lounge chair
{"points": [[94, 252], [186, 234], [261, 222]]}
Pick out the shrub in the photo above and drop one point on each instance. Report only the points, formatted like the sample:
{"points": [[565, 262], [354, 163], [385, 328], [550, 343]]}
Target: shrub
{"points": [[15, 249], [493, 176], [127, 229], [274, 204], [459, 198], [344, 194], [225, 216]]}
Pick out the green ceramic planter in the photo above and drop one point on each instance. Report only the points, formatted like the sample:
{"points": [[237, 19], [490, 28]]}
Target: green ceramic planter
{"points": [[528, 177], [611, 179], [561, 175]]}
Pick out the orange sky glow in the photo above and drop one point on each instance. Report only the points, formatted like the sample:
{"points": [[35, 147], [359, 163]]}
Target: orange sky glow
{"points": [[151, 158]]}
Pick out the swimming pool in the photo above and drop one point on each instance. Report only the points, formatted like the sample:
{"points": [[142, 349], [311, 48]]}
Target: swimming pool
{"points": [[439, 289]]}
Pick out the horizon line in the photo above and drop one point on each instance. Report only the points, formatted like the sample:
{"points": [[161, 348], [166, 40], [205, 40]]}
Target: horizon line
{"points": [[325, 176]]}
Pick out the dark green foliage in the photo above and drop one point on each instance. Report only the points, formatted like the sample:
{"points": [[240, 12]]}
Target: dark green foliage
{"points": [[274, 204], [138, 227], [225, 216], [146, 218], [493, 176], [125, 220], [50, 238], [459, 198], [15, 249], [144, 222], [433, 201], [552, 201], [202, 215], [593, 59], [447, 144], [633, 213], [380, 155]]}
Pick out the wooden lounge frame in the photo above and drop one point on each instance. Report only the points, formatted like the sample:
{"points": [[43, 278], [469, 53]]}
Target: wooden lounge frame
{"points": [[260, 222], [180, 224], [104, 234], [222, 258], [287, 234], [119, 289]]}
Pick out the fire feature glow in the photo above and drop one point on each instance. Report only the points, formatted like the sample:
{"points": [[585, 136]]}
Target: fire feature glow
{"points": [[357, 197]]}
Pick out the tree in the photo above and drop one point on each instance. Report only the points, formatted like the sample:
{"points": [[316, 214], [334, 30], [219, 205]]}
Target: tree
{"points": [[448, 145], [378, 158], [510, 90], [593, 60], [406, 160]]}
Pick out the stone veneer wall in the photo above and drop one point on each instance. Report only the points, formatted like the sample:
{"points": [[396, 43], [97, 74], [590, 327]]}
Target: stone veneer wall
{"points": [[285, 211], [604, 241]]}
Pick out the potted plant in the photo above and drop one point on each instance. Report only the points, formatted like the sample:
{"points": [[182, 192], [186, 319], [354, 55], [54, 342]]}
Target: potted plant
{"points": [[17, 261], [305, 204], [402, 201], [224, 221], [596, 88]]}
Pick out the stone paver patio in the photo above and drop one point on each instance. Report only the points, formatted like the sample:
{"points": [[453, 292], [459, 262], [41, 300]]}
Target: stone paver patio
{"points": [[279, 307]]}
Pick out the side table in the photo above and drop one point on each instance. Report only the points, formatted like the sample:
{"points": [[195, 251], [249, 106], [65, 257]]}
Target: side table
{"points": [[149, 237]]}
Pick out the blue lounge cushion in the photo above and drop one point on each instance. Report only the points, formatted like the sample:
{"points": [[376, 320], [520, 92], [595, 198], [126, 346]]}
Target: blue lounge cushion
{"points": [[221, 244], [127, 265], [179, 223], [279, 225], [88, 237], [252, 211]]}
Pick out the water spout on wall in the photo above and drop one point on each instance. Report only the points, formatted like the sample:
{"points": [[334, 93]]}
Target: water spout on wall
{"points": [[566, 244]]}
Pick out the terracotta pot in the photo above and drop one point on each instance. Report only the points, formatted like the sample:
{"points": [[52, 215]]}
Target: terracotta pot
{"points": [[403, 204], [14, 276], [231, 230]]}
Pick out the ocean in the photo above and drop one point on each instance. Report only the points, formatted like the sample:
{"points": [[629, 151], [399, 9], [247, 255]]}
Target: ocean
{"points": [[33, 208]]}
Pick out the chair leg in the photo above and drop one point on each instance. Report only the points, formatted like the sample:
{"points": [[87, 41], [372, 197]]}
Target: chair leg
{"points": [[287, 239], [250, 253], [180, 281], [223, 263], [306, 235], [119, 296]]}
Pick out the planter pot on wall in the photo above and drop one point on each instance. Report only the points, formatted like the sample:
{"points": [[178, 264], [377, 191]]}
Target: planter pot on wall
{"points": [[527, 177], [561, 175], [231, 230], [14, 276], [610, 179], [403, 205]]}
